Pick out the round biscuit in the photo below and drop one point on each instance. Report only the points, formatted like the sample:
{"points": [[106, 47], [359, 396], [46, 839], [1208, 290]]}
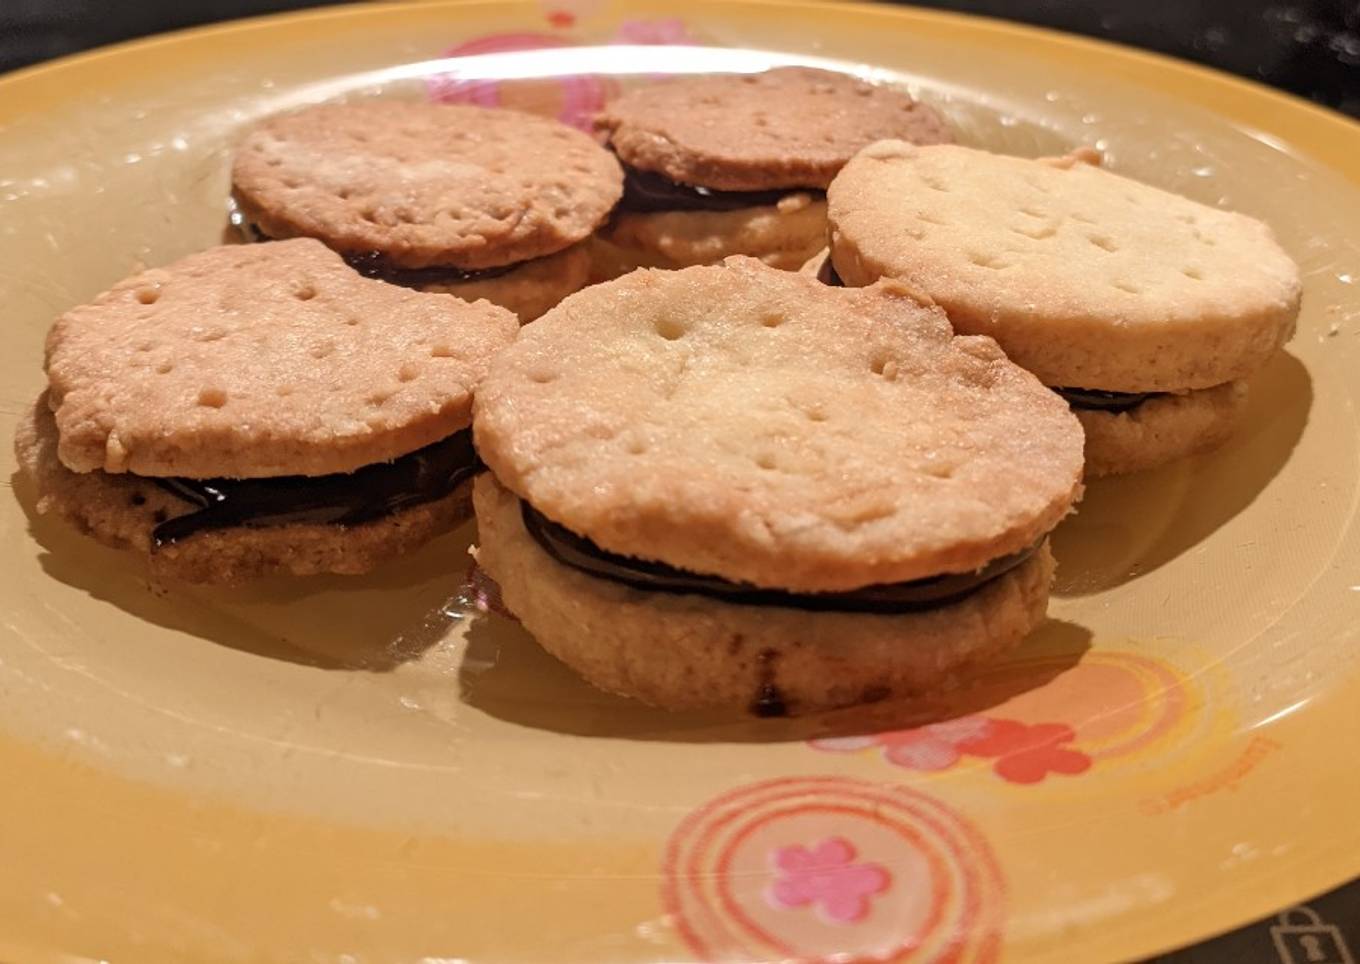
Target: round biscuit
{"points": [[260, 360], [122, 511], [1161, 430], [782, 235], [425, 184], [751, 423], [815, 265], [1086, 278], [528, 289], [683, 651], [789, 127]]}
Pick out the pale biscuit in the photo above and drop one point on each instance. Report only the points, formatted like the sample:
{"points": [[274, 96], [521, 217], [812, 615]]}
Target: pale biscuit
{"points": [[753, 424], [528, 289], [1085, 278], [123, 510], [783, 235], [785, 128], [681, 652], [425, 184], [1161, 429], [815, 265], [263, 359]]}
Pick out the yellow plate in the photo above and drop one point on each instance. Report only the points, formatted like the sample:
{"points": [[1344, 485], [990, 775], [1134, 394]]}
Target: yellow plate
{"points": [[363, 770]]}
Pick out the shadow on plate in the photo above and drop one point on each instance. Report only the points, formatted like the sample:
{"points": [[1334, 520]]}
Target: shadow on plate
{"points": [[505, 674], [370, 623], [1129, 526]]}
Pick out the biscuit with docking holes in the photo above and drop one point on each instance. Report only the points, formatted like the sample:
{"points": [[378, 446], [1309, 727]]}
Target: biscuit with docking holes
{"points": [[425, 185], [1086, 278], [756, 425], [248, 361], [790, 127]]}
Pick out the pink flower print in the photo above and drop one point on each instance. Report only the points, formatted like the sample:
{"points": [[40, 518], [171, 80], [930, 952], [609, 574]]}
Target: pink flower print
{"points": [[1027, 754], [669, 30], [933, 747], [827, 877], [918, 750], [844, 744], [928, 748], [573, 99], [1023, 753], [961, 728]]}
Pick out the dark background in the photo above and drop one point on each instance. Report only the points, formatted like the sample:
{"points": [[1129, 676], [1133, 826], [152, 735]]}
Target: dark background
{"points": [[1309, 47]]}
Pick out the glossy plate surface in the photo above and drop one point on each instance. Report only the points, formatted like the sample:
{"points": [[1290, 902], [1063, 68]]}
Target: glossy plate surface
{"points": [[367, 770]]}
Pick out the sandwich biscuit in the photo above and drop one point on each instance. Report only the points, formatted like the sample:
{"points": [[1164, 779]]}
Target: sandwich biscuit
{"points": [[1144, 309], [732, 485], [739, 164], [465, 200], [262, 408]]}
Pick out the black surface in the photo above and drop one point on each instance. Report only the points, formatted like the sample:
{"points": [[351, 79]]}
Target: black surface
{"points": [[1323, 931], [35, 30], [1311, 48]]}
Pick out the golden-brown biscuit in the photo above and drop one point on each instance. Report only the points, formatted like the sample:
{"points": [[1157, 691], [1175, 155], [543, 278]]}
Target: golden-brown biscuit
{"points": [[1160, 430], [1099, 285], [260, 360], [529, 288], [782, 235], [123, 511], [425, 185], [790, 127], [769, 429], [686, 651], [719, 449], [262, 408], [737, 164]]}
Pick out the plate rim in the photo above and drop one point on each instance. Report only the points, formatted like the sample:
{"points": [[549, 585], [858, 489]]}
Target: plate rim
{"points": [[1033, 33], [1271, 110]]}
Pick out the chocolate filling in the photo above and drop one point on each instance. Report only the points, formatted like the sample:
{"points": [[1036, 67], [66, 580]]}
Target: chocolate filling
{"points": [[918, 595], [646, 192], [372, 264], [346, 498], [248, 230], [1095, 400]]}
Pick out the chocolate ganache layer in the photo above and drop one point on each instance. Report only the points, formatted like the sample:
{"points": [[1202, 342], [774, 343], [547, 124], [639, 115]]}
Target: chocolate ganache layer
{"points": [[371, 264], [919, 595], [347, 498], [645, 192], [1095, 400]]}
